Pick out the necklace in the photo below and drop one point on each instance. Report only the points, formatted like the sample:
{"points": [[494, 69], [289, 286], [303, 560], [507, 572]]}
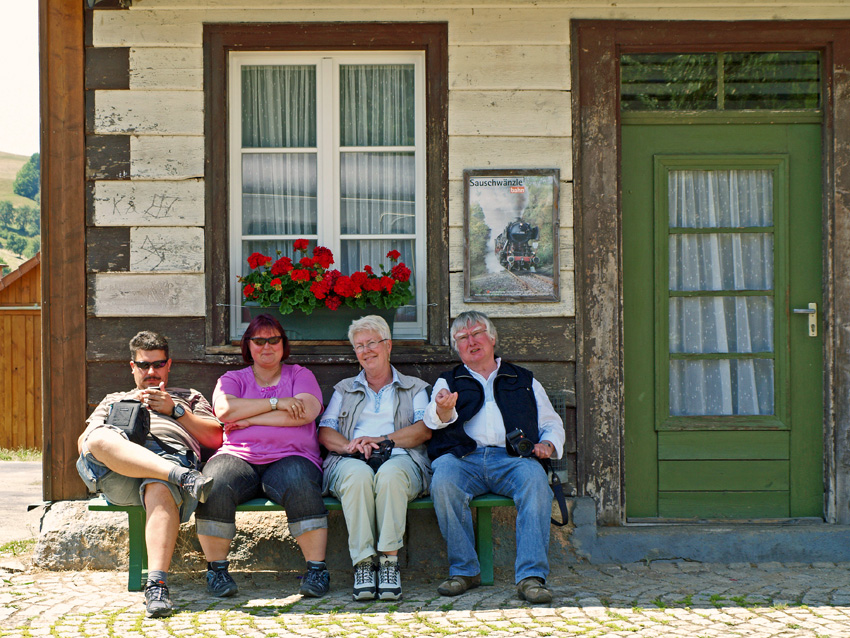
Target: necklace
{"points": [[264, 383]]}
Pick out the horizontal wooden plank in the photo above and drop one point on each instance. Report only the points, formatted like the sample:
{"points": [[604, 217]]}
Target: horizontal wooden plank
{"points": [[107, 338], [107, 249], [510, 113], [107, 68], [702, 476], [141, 112], [160, 203], [723, 445], [530, 339], [723, 505], [107, 157], [146, 295], [495, 151], [522, 67], [166, 157], [176, 249], [166, 68]]}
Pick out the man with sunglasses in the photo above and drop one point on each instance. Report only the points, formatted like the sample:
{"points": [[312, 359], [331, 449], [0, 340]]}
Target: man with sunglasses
{"points": [[160, 475], [494, 428]]}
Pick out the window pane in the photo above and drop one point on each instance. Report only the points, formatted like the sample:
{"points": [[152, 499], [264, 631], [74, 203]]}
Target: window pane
{"points": [[721, 261], [721, 324], [377, 105], [720, 199], [721, 387], [279, 194], [279, 106], [373, 252], [378, 193], [788, 80], [668, 82]]}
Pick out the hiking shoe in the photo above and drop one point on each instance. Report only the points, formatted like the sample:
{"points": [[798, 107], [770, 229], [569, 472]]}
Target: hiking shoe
{"points": [[157, 602], [316, 582], [534, 590], [389, 581], [220, 583], [198, 485], [364, 580], [456, 585]]}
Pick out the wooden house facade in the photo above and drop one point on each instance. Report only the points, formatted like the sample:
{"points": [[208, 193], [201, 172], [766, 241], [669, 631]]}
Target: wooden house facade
{"points": [[651, 114]]}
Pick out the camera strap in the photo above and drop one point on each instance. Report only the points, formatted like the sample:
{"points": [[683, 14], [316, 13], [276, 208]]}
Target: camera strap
{"points": [[558, 491]]}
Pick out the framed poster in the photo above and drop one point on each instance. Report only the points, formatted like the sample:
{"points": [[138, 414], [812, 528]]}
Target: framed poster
{"points": [[510, 230]]}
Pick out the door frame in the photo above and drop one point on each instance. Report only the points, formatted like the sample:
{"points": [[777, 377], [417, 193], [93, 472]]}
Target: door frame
{"points": [[596, 45]]}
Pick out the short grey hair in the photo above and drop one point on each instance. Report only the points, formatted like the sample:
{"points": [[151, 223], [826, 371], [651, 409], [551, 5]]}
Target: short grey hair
{"points": [[470, 318], [369, 322]]}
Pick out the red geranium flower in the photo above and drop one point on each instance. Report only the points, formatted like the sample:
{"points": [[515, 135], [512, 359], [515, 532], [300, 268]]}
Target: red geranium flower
{"points": [[373, 285], [388, 283], [359, 278], [320, 289], [394, 255], [258, 259], [300, 274], [333, 302], [282, 266], [368, 269], [275, 283], [248, 291], [401, 272], [323, 256], [307, 262], [300, 244]]}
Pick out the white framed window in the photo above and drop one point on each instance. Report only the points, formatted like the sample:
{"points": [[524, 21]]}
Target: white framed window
{"points": [[329, 146]]}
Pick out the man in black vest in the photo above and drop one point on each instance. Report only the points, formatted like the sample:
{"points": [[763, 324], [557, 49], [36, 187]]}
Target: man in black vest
{"points": [[485, 414]]}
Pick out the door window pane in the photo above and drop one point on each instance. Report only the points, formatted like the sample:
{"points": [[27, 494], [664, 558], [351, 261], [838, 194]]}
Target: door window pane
{"points": [[725, 387], [721, 261], [788, 80], [721, 324], [279, 106], [668, 82], [720, 199]]}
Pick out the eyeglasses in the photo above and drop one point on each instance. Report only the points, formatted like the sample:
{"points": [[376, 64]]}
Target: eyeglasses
{"points": [[368, 346], [461, 337], [261, 341], [144, 365]]}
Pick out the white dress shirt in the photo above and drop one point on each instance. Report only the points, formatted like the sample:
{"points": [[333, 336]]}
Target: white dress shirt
{"points": [[487, 428]]}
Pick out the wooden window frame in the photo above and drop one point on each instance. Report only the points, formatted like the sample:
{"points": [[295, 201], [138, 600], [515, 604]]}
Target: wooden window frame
{"points": [[430, 37], [596, 45]]}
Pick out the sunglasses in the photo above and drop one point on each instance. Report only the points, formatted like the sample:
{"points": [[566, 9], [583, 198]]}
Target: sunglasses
{"points": [[144, 365], [261, 341]]}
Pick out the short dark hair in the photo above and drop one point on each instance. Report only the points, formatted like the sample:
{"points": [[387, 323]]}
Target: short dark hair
{"points": [[148, 340], [262, 321]]}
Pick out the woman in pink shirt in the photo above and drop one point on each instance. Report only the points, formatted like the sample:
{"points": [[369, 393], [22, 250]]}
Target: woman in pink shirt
{"points": [[270, 449]]}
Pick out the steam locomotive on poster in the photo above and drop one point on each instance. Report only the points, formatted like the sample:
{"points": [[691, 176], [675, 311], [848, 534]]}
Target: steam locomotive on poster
{"points": [[516, 246]]}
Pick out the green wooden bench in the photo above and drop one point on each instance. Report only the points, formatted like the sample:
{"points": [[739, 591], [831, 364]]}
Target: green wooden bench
{"points": [[139, 555]]}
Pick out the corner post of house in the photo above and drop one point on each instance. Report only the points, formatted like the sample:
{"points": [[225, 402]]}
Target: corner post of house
{"points": [[63, 224]]}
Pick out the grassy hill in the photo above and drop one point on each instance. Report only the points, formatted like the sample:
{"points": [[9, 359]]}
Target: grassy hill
{"points": [[9, 166]]}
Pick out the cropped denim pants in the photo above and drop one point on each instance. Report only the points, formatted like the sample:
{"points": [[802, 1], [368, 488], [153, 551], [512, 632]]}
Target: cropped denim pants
{"points": [[457, 480], [293, 482]]}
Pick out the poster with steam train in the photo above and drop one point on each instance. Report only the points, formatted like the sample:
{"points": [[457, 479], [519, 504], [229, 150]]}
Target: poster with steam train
{"points": [[511, 235]]}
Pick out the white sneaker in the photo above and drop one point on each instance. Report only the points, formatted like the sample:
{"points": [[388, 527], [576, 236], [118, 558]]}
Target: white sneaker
{"points": [[389, 580], [364, 580]]}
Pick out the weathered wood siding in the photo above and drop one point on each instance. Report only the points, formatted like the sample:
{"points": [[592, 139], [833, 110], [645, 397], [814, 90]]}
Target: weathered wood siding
{"points": [[20, 357]]}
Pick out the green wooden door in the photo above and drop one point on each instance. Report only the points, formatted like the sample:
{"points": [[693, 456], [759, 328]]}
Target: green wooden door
{"points": [[722, 379]]}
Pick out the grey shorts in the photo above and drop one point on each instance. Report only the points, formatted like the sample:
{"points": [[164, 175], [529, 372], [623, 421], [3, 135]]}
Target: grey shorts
{"points": [[124, 490]]}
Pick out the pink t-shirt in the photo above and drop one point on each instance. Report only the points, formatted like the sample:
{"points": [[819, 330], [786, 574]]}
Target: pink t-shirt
{"points": [[261, 444]]}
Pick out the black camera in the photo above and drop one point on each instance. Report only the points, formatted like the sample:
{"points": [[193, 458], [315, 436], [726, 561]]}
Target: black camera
{"points": [[520, 444], [377, 457]]}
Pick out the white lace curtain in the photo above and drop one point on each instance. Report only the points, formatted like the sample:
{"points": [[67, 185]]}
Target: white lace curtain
{"points": [[723, 261]]}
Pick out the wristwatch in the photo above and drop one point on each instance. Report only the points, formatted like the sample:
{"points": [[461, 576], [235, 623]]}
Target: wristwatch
{"points": [[178, 411], [273, 402]]}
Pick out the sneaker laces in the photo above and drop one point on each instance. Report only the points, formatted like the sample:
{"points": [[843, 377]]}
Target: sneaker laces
{"points": [[315, 577], [389, 573], [156, 591], [363, 573], [219, 578]]}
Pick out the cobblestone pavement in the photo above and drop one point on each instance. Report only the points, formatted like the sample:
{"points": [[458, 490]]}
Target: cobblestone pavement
{"points": [[660, 599]]}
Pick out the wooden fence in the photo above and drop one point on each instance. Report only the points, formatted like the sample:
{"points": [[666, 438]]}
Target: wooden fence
{"points": [[20, 357]]}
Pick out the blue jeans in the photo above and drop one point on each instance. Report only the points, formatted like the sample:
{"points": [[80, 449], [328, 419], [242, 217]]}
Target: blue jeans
{"points": [[456, 481], [293, 482]]}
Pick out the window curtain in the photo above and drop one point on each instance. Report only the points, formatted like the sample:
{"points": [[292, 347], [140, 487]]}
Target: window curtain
{"points": [[726, 262]]}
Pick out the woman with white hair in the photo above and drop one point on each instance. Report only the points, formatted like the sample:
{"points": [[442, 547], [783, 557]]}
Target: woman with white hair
{"points": [[374, 432]]}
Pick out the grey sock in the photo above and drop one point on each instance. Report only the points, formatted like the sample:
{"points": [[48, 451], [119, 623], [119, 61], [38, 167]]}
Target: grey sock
{"points": [[158, 576], [176, 473]]}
